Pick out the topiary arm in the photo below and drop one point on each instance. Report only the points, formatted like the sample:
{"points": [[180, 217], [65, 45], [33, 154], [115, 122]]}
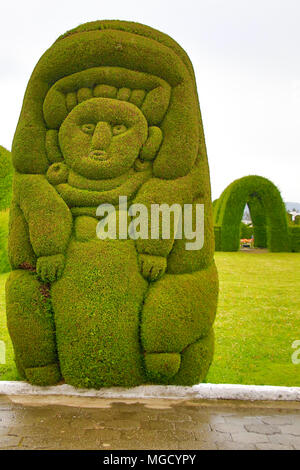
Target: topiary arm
{"points": [[153, 252], [49, 221], [155, 192]]}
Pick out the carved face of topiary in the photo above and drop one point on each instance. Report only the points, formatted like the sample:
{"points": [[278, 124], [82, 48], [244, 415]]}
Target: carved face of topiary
{"points": [[101, 137]]}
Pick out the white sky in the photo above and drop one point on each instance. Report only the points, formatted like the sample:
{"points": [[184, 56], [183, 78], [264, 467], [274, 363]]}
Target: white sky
{"points": [[246, 59]]}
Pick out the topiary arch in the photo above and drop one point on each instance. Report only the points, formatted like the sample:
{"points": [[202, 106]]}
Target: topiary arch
{"points": [[267, 211]]}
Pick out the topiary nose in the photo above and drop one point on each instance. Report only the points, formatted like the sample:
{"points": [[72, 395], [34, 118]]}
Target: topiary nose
{"points": [[101, 137]]}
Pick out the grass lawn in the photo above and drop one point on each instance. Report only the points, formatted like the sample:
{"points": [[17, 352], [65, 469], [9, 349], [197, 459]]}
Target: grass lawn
{"points": [[258, 319]]}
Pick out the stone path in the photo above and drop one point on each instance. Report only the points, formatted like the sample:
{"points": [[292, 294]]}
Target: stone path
{"points": [[95, 423]]}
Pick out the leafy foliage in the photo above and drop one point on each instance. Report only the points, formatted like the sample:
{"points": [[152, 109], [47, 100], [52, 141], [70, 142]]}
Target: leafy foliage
{"points": [[4, 261], [6, 175]]}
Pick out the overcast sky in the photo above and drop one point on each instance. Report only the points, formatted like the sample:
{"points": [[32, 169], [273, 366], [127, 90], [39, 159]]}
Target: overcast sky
{"points": [[246, 59]]}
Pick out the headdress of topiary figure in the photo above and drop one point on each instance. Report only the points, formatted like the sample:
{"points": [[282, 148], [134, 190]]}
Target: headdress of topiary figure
{"points": [[110, 110]]}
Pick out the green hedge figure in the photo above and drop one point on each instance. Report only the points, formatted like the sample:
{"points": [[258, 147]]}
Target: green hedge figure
{"points": [[110, 110], [267, 209]]}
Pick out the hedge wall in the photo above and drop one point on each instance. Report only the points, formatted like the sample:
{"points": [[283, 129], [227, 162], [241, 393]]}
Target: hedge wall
{"points": [[217, 233], [246, 231], [295, 238], [4, 262], [6, 174]]}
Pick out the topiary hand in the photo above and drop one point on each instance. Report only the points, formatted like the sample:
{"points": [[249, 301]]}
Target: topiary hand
{"points": [[152, 267], [50, 268]]}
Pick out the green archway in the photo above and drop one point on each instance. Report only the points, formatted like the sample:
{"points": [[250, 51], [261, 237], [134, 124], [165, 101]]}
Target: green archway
{"points": [[267, 211]]}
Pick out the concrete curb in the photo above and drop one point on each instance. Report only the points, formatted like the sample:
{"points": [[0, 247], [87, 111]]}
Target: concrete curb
{"points": [[201, 391]]}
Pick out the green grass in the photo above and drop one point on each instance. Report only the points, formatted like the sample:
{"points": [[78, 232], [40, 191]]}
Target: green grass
{"points": [[258, 319]]}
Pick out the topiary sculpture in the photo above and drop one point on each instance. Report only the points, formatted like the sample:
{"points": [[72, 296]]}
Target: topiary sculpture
{"points": [[110, 110], [267, 211]]}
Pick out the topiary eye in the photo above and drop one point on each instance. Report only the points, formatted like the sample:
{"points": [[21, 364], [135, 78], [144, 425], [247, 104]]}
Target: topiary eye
{"points": [[119, 129], [88, 128]]}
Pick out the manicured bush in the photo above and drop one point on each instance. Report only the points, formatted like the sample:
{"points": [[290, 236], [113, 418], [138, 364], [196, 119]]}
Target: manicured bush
{"points": [[246, 231], [4, 262], [267, 211], [218, 235], [6, 173], [110, 110], [295, 238]]}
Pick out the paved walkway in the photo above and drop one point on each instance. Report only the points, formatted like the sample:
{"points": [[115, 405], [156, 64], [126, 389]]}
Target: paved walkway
{"points": [[60, 422]]}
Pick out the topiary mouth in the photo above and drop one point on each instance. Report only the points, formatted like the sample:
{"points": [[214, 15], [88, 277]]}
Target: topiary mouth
{"points": [[98, 155]]}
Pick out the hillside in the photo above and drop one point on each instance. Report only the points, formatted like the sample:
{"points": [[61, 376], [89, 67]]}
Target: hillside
{"points": [[292, 205]]}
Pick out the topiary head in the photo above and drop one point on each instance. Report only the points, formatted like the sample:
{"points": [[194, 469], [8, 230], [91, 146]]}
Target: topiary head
{"points": [[121, 60], [102, 137]]}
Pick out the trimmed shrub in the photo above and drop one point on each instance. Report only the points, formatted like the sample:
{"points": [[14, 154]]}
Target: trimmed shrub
{"points": [[110, 110], [267, 211], [218, 235], [246, 231], [4, 262], [6, 174], [295, 238]]}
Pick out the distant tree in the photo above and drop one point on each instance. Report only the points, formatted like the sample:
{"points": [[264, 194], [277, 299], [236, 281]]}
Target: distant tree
{"points": [[246, 230]]}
